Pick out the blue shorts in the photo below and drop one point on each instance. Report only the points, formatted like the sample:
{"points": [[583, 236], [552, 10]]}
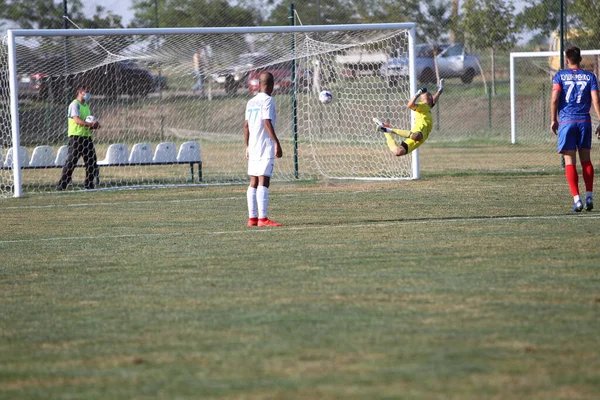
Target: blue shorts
{"points": [[574, 136]]}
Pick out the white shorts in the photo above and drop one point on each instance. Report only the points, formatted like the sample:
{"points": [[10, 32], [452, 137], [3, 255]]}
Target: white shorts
{"points": [[262, 167]]}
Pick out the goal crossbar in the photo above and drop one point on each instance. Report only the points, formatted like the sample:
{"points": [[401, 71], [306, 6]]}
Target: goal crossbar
{"points": [[210, 30]]}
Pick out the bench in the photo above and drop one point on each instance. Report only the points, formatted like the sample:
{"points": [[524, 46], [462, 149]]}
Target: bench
{"points": [[117, 155]]}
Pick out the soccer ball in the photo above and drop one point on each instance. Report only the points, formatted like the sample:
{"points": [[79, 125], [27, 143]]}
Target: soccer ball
{"points": [[91, 119], [325, 97]]}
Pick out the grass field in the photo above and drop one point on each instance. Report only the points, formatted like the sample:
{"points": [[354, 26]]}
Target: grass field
{"points": [[455, 286]]}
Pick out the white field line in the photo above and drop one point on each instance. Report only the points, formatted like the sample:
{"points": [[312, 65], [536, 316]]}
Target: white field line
{"points": [[132, 235], [413, 222], [120, 203], [490, 219], [241, 197]]}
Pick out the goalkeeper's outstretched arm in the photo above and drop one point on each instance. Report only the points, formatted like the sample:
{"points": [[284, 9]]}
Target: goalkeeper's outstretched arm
{"points": [[437, 94], [412, 104]]}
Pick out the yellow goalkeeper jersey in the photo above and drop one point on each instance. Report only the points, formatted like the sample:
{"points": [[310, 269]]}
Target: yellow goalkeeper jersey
{"points": [[423, 119]]}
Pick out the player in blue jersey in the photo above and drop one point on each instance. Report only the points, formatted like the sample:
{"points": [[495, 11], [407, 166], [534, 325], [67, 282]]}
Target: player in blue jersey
{"points": [[574, 91]]}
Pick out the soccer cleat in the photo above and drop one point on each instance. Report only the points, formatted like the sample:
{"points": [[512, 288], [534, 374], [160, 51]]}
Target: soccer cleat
{"points": [[441, 86], [589, 204], [382, 126], [267, 222], [252, 221], [578, 206]]}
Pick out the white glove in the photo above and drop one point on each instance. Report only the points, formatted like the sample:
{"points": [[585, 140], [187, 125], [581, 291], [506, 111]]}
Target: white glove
{"points": [[441, 86], [421, 91]]}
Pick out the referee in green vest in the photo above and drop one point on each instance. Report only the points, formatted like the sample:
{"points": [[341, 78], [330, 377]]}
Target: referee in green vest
{"points": [[80, 141]]}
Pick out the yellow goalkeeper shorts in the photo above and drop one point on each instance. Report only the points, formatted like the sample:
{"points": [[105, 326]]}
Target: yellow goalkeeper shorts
{"points": [[425, 129]]}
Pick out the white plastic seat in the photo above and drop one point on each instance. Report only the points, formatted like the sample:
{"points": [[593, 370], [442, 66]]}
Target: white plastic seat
{"points": [[141, 153], [24, 157], [42, 156], [61, 156], [166, 152], [117, 153], [189, 152]]}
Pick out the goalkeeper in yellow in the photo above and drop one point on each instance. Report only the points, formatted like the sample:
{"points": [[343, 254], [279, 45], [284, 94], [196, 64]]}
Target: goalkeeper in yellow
{"points": [[421, 103]]}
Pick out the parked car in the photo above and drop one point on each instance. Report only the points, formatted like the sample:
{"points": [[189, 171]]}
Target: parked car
{"points": [[160, 82], [30, 85], [119, 78], [359, 62], [122, 77], [234, 77], [282, 74], [452, 59]]}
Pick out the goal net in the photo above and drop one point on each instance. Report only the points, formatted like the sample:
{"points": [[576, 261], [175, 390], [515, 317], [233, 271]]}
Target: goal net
{"points": [[531, 76], [171, 102]]}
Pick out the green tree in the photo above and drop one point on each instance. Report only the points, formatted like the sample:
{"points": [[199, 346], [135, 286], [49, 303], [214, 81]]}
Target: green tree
{"points": [[315, 12], [44, 14], [455, 34], [374, 11], [540, 15], [433, 21], [102, 18], [585, 19], [192, 13], [262, 7], [197, 13], [39, 14], [490, 24], [580, 22]]}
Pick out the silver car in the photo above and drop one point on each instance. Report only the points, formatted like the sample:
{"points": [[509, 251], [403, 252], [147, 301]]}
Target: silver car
{"points": [[452, 59]]}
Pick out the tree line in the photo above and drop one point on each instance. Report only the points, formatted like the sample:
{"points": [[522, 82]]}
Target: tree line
{"points": [[479, 23]]}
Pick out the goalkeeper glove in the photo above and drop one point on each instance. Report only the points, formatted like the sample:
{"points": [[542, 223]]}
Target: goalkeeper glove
{"points": [[441, 86], [421, 91]]}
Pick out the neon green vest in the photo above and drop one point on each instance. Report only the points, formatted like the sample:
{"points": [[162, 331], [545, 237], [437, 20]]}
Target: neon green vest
{"points": [[78, 130]]}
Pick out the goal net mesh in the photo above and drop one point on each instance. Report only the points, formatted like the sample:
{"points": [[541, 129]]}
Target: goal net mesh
{"points": [[533, 138], [193, 88]]}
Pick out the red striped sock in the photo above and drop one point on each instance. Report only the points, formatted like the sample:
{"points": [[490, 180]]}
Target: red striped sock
{"points": [[572, 179], [588, 175]]}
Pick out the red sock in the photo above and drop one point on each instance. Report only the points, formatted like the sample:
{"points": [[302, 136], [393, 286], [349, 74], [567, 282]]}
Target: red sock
{"points": [[572, 178], [588, 175]]}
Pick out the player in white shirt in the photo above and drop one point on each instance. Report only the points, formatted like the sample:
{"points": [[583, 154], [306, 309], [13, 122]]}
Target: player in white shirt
{"points": [[262, 147]]}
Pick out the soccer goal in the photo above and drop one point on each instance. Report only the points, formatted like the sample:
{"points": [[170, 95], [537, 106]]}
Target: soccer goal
{"points": [[530, 93], [171, 102]]}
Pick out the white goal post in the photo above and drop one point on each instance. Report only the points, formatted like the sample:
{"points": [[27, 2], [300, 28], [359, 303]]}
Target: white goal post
{"points": [[336, 141], [514, 56]]}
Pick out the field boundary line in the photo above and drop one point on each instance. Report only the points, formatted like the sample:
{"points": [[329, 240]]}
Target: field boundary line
{"points": [[241, 197], [373, 224], [417, 221]]}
